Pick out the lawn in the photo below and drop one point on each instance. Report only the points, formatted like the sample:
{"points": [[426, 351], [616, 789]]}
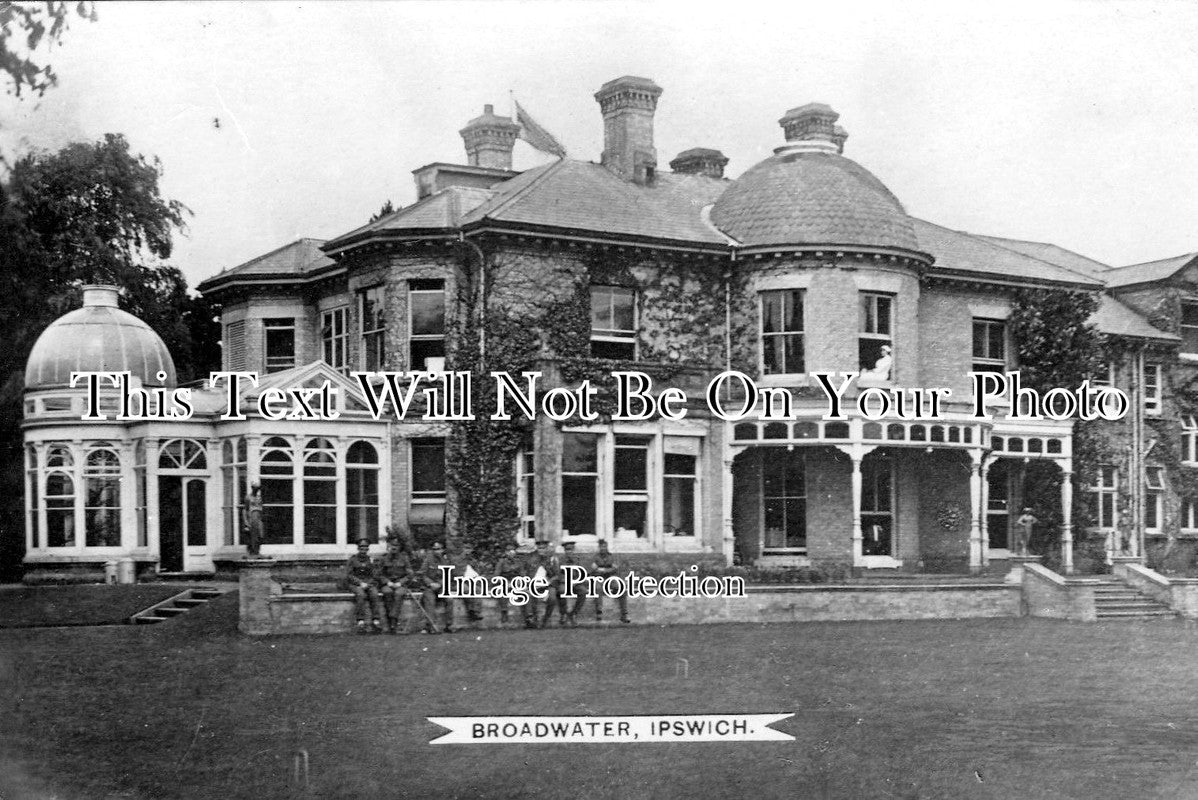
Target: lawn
{"points": [[1011, 708], [36, 606]]}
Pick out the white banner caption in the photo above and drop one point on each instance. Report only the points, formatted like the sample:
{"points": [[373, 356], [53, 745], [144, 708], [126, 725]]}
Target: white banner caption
{"points": [[611, 730]]}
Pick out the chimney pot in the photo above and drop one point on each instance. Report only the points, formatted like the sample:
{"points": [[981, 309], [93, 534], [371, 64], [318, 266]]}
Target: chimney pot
{"points": [[489, 139], [628, 105], [700, 161], [813, 128]]}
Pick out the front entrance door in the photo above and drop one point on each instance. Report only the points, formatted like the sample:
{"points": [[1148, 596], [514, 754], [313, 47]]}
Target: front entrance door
{"points": [[998, 510], [182, 519]]}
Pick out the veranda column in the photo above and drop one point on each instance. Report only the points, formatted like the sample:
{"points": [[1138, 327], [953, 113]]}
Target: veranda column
{"points": [[975, 501], [984, 506], [858, 557], [726, 489], [1067, 520]]}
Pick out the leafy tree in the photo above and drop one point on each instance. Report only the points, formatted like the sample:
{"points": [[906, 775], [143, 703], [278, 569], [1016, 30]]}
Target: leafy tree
{"points": [[23, 28], [90, 213], [384, 211]]}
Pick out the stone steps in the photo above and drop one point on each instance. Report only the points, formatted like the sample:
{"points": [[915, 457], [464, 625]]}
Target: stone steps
{"points": [[174, 606], [1116, 600]]}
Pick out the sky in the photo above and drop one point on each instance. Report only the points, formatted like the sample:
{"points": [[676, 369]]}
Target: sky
{"points": [[1069, 122]]}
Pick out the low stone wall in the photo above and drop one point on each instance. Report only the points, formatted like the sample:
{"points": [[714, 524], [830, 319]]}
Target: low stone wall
{"points": [[1048, 594], [266, 609]]}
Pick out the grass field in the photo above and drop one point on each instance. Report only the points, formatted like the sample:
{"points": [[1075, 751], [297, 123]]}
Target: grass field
{"points": [[1009, 708], [35, 606]]}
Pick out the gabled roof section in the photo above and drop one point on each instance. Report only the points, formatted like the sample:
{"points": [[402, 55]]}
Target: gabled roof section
{"points": [[583, 196], [964, 254], [1115, 318], [1053, 254], [1148, 272], [309, 375], [294, 260], [442, 211]]}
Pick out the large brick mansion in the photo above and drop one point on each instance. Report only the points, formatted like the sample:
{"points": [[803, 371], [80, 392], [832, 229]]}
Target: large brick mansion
{"points": [[805, 262]]}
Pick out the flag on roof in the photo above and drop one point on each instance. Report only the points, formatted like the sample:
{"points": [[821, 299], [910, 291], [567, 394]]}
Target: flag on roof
{"points": [[535, 135]]}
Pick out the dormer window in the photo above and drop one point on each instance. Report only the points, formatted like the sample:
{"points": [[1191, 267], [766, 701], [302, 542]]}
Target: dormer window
{"points": [[613, 322]]}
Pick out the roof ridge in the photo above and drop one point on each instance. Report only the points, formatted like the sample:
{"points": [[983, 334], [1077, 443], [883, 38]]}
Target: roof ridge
{"points": [[266, 255], [1156, 261], [981, 237]]}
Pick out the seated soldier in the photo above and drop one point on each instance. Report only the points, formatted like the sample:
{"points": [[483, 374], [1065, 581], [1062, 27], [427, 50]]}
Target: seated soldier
{"points": [[465, 565], [535, 565], [553, 573], [430, 575], [361, 577], [395, 573], [604, 567], [577, 593]]}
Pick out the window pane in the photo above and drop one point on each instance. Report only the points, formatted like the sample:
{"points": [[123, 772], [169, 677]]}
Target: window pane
{"points": [[428, 465], [579, 453], [883, 321], [428, 313], [632, 465], [771, 312], [679, 464], [578, 505], [600, 309], [623, 310], [998, 342], [629, 517], [679, 506]]}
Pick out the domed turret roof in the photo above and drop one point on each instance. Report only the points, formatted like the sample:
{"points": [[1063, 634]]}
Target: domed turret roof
{"points": [[98, 336], [807, 193]]}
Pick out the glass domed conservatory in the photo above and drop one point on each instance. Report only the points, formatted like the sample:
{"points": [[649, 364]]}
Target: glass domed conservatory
{"points": [[169, 494]]}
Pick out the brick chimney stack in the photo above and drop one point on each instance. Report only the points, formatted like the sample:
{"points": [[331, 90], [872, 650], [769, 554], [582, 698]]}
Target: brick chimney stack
{"points": [[700, 161], [489, 139], [628, 105], [812, 128]]}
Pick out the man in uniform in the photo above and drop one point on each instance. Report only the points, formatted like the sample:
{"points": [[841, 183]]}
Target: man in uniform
{"points": [[361, 575], [395, 572], [430, 574], [604, 567], [552, 563], [577, 593], [538, 562], [464, 563], [508, 567]]}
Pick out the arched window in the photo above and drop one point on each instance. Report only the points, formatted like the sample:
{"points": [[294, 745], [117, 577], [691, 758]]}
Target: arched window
{"points": [[320, 492], [234, 476], [59, 456], [278, 491], [362, 492], [60, 510], [102, 499], [182, 454]]}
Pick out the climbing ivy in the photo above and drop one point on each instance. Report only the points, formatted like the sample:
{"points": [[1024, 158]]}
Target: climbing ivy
{"points": [[534, 311], [1057, 346]]}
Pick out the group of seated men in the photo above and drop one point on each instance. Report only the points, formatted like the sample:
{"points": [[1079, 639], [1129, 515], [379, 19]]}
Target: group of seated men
{"points": [[413, 572]]}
